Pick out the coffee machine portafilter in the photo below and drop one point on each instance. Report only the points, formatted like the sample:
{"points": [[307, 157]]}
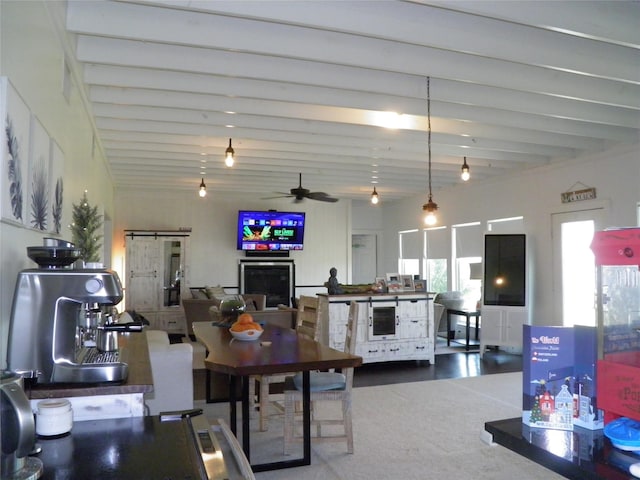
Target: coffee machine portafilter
{"points": [[49, 334]]}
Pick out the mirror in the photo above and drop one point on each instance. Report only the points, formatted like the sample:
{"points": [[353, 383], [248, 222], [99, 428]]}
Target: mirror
{"points": [[172, 272]]}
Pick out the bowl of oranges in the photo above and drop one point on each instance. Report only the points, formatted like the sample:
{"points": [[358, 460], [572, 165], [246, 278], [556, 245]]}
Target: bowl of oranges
{"points": [[245, 328]]}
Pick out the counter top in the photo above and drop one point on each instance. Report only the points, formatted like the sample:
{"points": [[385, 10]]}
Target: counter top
{"points": [[136, 447], [580, 454], [134, 351], [428, 295]]}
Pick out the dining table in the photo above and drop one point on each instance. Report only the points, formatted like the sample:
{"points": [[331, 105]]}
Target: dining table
{"points": [[278, 350]]}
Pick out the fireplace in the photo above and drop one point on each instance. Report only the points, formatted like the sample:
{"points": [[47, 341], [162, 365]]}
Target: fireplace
{"points": [[275, 279]]}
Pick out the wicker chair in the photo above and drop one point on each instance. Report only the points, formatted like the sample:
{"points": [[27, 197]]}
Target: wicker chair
{"points": [[325, 386], [307, 323]]}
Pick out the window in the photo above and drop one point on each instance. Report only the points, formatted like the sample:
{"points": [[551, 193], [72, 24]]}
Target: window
{"points": [[410, 252], [436, 274], [470, 287], [436, 254], [467, 249]]}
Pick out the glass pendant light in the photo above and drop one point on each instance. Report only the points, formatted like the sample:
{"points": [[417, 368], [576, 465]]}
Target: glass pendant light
{"points": [[374, 197], [465, 175], [228, 159], [203, 189], [430, 208]]}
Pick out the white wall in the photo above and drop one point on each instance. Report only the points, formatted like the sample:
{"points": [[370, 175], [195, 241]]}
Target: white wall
{"points": [[213, 257], [535, 194], [31, 57]]}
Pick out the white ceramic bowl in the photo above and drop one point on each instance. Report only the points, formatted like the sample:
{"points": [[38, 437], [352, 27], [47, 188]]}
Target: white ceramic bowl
{"points": [[247, 335]]}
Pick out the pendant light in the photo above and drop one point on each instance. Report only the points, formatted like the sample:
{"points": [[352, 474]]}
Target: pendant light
{"points": [[374, 196], [203, 189], [430, 207], [228, 158], [465, 171]]}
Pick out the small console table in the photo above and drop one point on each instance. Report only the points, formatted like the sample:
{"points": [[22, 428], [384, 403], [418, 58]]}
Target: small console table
{"points": [[463, 313]]}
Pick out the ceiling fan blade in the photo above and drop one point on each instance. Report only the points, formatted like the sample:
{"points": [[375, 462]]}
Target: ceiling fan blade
{"points": [[321, 196], [280, 195]]}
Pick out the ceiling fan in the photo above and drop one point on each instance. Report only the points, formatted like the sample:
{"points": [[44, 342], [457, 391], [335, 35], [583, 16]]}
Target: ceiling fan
{"points": [[300, 193]]}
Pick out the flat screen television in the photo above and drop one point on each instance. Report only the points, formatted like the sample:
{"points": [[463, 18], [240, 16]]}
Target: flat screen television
{"points": [[504, 281], [270, 231]]}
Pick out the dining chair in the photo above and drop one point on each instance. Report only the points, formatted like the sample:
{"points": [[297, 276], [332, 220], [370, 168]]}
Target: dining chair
{"points": [[308, 322], [324, 386]]}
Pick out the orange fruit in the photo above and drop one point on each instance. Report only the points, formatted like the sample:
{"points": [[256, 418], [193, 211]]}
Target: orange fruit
{"points": [[245, 318]]}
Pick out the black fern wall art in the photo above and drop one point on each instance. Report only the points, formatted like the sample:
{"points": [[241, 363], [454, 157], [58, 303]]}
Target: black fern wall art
{"points": [[14, 169], [56, 208], [39, 196]]}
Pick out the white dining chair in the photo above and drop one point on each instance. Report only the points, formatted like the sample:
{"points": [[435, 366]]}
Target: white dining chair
{"points": [[325, 386], [308, 320]]}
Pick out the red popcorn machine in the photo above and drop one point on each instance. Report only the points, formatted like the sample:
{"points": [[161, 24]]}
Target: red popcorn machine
{"points": [[617, 257]]}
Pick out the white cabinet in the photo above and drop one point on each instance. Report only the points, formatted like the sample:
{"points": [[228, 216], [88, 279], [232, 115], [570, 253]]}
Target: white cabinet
{"points": [[413, 317], [502, 326], [390, 327], [155, 277]]}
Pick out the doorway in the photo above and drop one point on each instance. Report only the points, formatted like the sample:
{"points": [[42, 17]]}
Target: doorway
{"points": [[574, 271], [364, 258]]}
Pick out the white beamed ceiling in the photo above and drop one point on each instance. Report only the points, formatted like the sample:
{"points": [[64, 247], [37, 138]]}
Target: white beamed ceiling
{"points": [[306, 86]]}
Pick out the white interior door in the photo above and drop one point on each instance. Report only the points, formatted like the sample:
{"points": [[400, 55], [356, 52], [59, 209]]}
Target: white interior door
{"points": [[574, 273], [364, 258]]}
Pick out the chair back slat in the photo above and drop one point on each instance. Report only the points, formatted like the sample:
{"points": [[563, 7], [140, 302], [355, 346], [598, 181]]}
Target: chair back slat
{"points": [[350, 340], [308, 318]]}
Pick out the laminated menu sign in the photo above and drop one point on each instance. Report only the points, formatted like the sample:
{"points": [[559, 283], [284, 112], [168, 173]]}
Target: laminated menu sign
{"points": [[559, 378]]}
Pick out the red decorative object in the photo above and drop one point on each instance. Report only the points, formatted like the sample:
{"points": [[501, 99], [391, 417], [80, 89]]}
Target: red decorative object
{"points": [[618, 375]]}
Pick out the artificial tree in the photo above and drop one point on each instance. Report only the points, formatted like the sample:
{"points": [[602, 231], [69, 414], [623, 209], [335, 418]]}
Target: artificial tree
{"points": [[85, 230]]}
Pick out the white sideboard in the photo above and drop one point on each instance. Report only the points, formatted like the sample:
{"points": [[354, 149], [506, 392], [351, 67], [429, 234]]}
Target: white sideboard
{"points": [[391, 327]]}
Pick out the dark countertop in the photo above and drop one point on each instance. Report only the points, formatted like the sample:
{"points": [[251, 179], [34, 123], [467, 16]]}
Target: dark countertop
{"points": [[134, 351], [141, 448], [580, 454]]}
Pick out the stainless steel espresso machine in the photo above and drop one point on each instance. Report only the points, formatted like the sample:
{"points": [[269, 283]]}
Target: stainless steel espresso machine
{"points": [[63, 324]]}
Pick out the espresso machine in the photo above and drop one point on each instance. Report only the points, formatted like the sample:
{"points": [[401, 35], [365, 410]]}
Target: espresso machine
{"points": [[63, 322]]}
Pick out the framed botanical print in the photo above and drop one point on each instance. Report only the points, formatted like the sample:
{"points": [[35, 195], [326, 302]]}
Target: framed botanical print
{"points": [[14, 154], [56, 188], [39, 169]]}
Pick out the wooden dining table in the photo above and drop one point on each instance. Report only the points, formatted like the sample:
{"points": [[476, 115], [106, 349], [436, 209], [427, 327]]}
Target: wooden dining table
{"points": [[278, 350]]}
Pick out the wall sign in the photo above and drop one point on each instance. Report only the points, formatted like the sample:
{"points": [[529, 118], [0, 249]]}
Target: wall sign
{"points": [[587, 193]]}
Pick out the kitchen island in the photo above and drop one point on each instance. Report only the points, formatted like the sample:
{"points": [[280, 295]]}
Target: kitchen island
{"points": [[391, 326], [107, 400]]}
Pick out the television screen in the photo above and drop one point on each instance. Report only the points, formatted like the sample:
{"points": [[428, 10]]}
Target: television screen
{"points": [[270, 231], [505, 270]]}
